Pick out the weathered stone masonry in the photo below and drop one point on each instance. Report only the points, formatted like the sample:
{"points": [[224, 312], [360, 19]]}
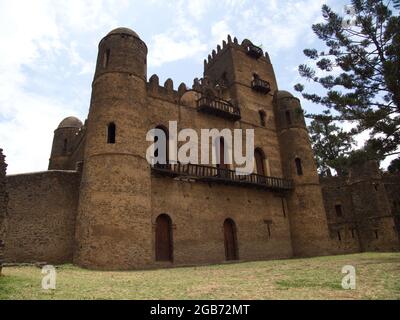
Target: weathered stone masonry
{"points": [[101, 205], [3, 205]]}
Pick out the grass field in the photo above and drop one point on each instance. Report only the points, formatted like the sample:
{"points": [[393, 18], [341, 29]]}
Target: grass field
{"points": [[377, 277]]}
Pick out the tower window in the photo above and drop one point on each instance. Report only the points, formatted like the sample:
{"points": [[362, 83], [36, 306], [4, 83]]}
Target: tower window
{"points": [[299, 167], [262, 117], [338, 209], [353, 235], [376, 234], [65, 146], [259, 158], [111, 130], [106, 58], [164, 157], [339, 236], [288, 118]]}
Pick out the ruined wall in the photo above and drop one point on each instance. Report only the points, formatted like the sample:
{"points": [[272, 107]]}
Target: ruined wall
{"points": [[367, 219], [392, 187], [41, 216], [3, 205], [341, 222]]}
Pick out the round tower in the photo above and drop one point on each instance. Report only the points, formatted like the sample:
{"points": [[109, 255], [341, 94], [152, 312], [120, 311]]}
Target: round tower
{"points": [[308, 223], [64, 138], [114, 222]]}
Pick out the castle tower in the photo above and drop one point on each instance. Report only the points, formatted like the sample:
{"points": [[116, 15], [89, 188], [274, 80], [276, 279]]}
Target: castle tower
{"points": [[308, 224], [63, 143], [114, 221], [247, 75], [371, 208]]}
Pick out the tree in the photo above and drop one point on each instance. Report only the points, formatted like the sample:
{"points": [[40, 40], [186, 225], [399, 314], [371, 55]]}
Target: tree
{"points": [[394, 166], [331, 144], [361, 72]]}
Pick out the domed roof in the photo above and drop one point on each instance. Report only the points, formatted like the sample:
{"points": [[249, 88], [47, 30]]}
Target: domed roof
{"points": [[70, 122], [124, 31], [283, 94]]}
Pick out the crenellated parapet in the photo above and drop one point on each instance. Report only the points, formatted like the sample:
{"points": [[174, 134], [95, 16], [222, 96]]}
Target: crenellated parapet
{"points": [[165, 92], [246, 46]]}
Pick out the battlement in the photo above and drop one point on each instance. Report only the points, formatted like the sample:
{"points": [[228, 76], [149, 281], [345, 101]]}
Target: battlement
{"points": [[165, 92], [246, 46]]}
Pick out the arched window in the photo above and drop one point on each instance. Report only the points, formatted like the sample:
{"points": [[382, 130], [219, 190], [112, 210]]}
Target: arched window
{"points": [[230, 239], [262, 115], [288, 118], [164, 245], [259, 159], [106, 58], [165, 130], [221, 153], [111, 131], [299, 168]]}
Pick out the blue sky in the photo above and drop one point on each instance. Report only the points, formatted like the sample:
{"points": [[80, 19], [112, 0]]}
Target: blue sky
{"points": [[48, 51]]}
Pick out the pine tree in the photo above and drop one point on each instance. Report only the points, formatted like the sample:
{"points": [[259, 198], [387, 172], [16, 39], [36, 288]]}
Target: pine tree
{"points": [[331, 144], [361, 72]]}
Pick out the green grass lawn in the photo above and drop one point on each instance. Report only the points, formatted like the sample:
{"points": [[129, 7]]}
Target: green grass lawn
{"points": [[378, 277]]}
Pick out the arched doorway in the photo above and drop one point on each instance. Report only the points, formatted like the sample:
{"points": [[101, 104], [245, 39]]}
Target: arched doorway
{"points": [[231, 250], [164, 238]]}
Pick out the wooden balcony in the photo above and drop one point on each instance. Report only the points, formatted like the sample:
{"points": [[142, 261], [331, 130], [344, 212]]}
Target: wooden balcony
{"points": [[261, 86], [219, 108], [254, 51], [221, 175]]}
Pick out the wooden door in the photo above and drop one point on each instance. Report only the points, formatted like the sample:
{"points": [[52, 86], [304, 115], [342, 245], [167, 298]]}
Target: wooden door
{"points": [[163, 238], [231, 252]]}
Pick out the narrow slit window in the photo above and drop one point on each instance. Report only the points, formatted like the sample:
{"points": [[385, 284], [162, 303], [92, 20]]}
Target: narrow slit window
{"points": [[353, 235], [299, 167], [111, 131], [376, 234], [106, 58], [65, 146], [339, 236], [288, 118], [338, 210], [262, 117]]}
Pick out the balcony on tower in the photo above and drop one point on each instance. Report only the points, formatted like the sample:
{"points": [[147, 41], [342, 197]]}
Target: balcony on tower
{"points": [[260, 85], [218, 107], [254, 51]]}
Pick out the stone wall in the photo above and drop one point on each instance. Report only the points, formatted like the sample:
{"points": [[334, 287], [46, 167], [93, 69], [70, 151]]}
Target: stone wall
{"points": [[41, 216], [367, 217], [3, 205]]}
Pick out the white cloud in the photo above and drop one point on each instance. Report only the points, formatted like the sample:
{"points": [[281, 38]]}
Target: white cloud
{"points": [[165, 48], [33, 36]]}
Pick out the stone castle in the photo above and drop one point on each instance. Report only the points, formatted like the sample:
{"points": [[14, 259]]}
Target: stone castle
{"points": [[101, 205]]}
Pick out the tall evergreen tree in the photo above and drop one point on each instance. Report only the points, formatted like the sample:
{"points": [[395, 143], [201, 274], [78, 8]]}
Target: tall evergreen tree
{"points": [[361, 71], [331, 144]]}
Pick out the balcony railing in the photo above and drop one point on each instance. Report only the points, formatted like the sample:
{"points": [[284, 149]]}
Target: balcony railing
{"points": [[222, 175], [254, 51], [219, 108], [261, 86]]}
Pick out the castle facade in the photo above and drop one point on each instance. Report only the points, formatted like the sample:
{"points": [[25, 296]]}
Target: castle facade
{"points": [[101, 205]]}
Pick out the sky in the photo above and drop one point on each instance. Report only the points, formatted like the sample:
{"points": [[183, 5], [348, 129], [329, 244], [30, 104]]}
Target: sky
{"points": [[48, 51]]}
